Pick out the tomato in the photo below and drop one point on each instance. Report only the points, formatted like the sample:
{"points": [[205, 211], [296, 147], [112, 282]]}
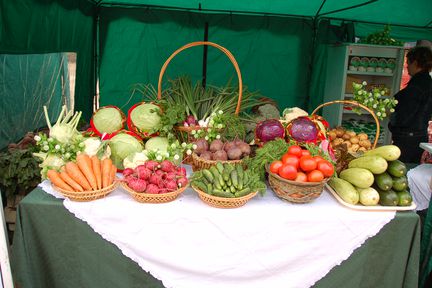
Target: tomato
{"points": [[275, 165], [305, 152], [288, 172], [315, 176], [291, 160], [301, 177], [317, 158], [326, 168], [307, 163], [295, 150]]}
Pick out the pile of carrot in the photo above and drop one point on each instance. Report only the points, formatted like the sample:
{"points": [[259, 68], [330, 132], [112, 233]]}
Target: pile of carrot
{"points": [[87, 174]]}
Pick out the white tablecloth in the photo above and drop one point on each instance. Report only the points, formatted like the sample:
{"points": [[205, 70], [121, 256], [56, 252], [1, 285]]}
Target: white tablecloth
{"points": [[266, 243]]}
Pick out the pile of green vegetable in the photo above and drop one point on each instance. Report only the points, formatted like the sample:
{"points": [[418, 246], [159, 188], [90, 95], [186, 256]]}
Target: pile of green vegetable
{"points": [[382, 38], [228, 181]]}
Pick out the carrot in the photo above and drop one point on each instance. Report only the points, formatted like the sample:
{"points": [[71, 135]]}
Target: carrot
{"points": [[96, 166], [106, 172], [85, 165], [55, 179], [112, 174], [75, 173], [68, 180]]}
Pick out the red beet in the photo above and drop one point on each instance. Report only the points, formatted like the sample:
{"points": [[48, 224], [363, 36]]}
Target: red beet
{"points": [[152, 189], [143, 172], [137, 185]]}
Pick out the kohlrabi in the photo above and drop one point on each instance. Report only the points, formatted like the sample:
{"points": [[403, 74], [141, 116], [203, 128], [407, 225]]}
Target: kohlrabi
{"points": [[64, 130]]}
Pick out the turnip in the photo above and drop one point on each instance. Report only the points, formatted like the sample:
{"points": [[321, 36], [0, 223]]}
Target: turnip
{"points": [[143, 172], [182, 182], [220, 155], [151, 164], [127, 172], [152, 189], [234, 153], [138, 185], [171, 185], [202, 146], [216, 145], [167, 166]]}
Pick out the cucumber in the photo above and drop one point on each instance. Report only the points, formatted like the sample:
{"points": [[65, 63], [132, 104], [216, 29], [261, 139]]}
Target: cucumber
{"points": [[376, 164], [384, 181], [404, 198], [242, 192], [345, 190], [388, 152], [200, 185], [359, 177], [221, 193], [208, 175], [234, 178], [400, 183], [220, 167], [397, 168], [368, 196], [388, 198]]}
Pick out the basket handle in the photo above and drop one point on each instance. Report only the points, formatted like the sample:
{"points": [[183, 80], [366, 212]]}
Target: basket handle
{"points": [[199, 43], [354, 103]]}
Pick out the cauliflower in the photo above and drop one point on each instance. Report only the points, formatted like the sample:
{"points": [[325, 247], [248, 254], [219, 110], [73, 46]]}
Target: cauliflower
{"points": [[290, 114], [134, 160]]}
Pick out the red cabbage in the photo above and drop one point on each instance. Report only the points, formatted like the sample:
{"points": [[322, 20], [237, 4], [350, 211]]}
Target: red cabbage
{"points": [[269, 130], [303, 130]]}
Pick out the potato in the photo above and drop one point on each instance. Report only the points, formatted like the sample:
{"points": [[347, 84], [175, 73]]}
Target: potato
{"points": [[340, 132], [337, 141], [355, 147], [363, 149], [346, 136], [332, 135], [351, 133], [362, 136], [354, 140], [348, 143], [365, 143]]}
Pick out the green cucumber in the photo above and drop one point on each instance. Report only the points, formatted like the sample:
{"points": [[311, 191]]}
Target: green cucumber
{"points": [[220, 167], [208, 175], [234, 178], [242, 192], [345, 190], [221, 193], [397, 168]]}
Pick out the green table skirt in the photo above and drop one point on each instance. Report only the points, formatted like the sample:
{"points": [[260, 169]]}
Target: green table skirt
{"points": [[52, 248]]}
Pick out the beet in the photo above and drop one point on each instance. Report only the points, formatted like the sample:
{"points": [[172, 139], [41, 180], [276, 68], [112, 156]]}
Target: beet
{"points": [[229, 145], [138, 185], [216, 145], [245, 149], [143, 172], [152, 189], [234, 153], [220, 155], [206, 155], [202, 146]]}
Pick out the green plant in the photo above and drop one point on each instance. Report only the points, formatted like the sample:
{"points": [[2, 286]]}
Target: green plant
{"points": [[382, 38], [374, 99], [19, 171]]}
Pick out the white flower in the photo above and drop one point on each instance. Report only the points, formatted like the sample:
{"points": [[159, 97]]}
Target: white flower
{"points": [[67, 155], [193, 132], [209, 130], [176, 157], [379, 114], [382, 109], [37, 138], [392, 110], [206, 138], [194, 146], [173, 146], [57, 147], [383, 92], [384, 115], [366, 101], [184, 144], [46, 148], [213, 114], [45, 143], [364, 83], [211, 123], [370, 94], [159, 158], [386, 100], [360, 92], [188, 152], [220, 112], [167, 154], [196, 136], [374, 106], [396, 101], [220, 126], [218, 136]]}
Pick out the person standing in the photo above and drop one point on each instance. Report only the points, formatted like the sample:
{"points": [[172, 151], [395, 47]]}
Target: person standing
{"points": [[408, 124]]}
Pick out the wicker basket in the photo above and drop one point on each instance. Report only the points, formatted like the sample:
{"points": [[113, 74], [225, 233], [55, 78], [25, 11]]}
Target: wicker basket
{"points": [[86, 195], [354, 103], [221, 202], [199, 163], [188, 130], [153, 198], [296, 192]]}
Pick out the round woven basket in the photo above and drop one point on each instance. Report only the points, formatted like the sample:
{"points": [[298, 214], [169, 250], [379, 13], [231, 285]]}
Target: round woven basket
{"points": [[86, 195], [199, 163], [153, 198], [296, 192], [221, 202], [185, 129]]}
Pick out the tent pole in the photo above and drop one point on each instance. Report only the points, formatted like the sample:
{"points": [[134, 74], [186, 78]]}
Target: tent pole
{"points": [[96, 58]]}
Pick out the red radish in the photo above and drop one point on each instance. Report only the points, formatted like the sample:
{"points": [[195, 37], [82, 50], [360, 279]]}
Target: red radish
{"points": [[143, 172], [171, 185], [170, 176], [159, 172], [167, 166], [161, 184], [183, 171], [152, 165], [152, 189], [127, 172], [137, 185], [182, 182], [163, 190], [155, 179]]}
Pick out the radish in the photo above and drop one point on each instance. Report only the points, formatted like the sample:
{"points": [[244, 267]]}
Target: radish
{"points": [[152, 165], [171, 185], [143, 172], [159, 173], [137, 185], [155, 179], [182, 182], [181, 171], [152, 189], [127, 172], [167, 166], [170, 176]]}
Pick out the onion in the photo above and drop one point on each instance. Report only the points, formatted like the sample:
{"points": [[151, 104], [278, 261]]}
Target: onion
{"points": [[269, 130], [303, 130]]}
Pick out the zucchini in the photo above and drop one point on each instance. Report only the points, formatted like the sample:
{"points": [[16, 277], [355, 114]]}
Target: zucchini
{"points": [[397, 168], [388, 198], [388, 152], [404, 198], [400, 183], [384, 181], [359, 177], [374, 163], [345, 190], [368, 196]]}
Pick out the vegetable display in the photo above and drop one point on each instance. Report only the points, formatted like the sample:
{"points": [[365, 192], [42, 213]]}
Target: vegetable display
{"points": [[354, 142], [218, 150], [269, 130], [122, 145]]}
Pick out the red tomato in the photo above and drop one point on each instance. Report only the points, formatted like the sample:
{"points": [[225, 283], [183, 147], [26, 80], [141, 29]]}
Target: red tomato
{"points": [[291, 160], [315, 176], [317, 158], [295, 150], [305, 152], [307, 163], [288, 172], [326, 168], [275, 165], [301, 177]]}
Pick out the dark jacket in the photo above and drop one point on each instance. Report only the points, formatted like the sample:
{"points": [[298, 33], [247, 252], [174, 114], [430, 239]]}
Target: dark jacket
{"points": [[414, 108]]}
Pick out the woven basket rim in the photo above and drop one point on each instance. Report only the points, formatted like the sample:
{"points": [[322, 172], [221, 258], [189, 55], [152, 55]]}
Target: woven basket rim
{"points": [[155, 196], [305, 184], [85, 194], [198, 158], [225, 199]]}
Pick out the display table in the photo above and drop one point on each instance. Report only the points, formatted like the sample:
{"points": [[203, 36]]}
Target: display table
{"points": [[52, 248]]}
